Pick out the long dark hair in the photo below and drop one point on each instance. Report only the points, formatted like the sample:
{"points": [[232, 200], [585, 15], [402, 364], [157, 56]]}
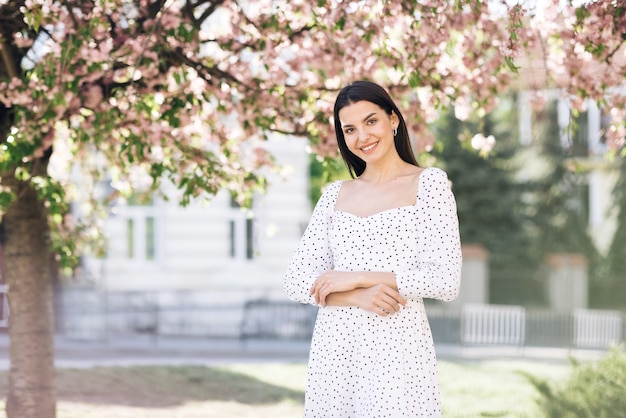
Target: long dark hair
{"points": [[371, 92]]}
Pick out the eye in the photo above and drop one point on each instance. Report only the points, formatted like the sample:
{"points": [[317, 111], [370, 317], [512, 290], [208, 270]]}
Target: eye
{"points": [[371, 121], [348, 130]]}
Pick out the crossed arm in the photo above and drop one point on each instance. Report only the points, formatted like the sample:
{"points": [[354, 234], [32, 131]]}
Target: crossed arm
{"points": [[373, 291], [310, 277]]}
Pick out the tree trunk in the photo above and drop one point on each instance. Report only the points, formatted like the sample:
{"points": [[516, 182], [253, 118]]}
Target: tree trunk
{"points": [[31, 391]]}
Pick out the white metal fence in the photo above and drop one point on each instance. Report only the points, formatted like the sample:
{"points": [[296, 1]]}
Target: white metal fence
{"points": [[597, 328], [493, 324]]}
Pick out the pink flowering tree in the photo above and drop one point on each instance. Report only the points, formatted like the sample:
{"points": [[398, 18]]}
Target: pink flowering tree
{"points": [[186, 91], [581, 52]]}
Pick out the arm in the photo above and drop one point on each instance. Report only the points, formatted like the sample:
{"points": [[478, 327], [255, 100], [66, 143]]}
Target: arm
{"points": [[373, 291], [333, 281], [438, 274], [380, 299], [313, 255]]}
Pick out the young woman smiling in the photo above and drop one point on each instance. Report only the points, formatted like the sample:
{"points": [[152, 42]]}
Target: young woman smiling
{"points": [[375, 247]]}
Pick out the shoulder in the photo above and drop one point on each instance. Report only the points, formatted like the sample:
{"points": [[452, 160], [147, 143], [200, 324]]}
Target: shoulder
{"points": [[329, 194], [434, 174], [332, 188], [434, 182]]}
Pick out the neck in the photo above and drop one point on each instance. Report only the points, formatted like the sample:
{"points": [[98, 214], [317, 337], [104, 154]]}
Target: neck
{"points": [[382, 173]]}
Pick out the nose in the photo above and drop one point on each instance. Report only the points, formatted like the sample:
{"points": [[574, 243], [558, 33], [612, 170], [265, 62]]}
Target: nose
{"points": [[362, 134]]}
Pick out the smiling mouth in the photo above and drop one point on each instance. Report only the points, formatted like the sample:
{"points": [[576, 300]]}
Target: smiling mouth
{"points": [[370, 147]]}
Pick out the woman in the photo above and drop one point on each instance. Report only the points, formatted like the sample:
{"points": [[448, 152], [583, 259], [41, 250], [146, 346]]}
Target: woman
{"points": [[375, 246]]}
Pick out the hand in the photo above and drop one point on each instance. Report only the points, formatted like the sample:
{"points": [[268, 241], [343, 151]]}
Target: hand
{"points": [[380, 299], [333, 281]]}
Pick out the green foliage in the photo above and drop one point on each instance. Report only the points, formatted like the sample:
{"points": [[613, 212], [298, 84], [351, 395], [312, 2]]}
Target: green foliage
{"points": [[15, 148], [323, 171], [490, 201], [609, 287], [560, 194], [617, 252], [520, 202], [594, 390], [6, 197]]}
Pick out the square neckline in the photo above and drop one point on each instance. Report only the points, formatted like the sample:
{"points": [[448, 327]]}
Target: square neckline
{"points": [[381, 212]]}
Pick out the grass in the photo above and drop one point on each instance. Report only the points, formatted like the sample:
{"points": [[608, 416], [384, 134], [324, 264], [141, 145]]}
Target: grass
{"points": [[494, 388], [476, 389]]}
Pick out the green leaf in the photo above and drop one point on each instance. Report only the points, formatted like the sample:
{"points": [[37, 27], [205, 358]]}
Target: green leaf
{"points": [[511, 64], [6, 198], [22, 174], [341, 23]]}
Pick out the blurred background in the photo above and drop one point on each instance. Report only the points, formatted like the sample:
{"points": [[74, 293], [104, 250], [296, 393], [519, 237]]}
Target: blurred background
{"points": [[541, 213], [159, 162]]}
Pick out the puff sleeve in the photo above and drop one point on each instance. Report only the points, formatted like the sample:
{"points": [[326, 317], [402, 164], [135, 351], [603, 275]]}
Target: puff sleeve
{"points": [[313, 255], [438, 274]]}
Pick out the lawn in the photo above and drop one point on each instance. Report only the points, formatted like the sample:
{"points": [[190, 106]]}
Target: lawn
{"points": [[469, 389]]}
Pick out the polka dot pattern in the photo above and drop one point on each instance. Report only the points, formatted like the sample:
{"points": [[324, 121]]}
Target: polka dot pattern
{"points": [[363, 365]]}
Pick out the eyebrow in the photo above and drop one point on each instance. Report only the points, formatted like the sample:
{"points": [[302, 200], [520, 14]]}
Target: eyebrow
{"points": [[364, 119]]}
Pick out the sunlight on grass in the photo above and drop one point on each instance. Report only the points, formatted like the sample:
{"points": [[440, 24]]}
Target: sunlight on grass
{"points": [[291, 376], [493, 388], [214, 409], [243, 390]]}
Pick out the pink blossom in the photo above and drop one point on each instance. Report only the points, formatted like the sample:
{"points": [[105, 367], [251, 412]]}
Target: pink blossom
{"points": [[46, 143], [483, 144], [21, 41]]}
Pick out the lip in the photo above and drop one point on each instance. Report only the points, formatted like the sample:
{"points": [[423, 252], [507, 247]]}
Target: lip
{"points": [[369, 147]]}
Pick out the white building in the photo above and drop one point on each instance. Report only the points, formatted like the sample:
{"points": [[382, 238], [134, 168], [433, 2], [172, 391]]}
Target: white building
{"points": [[227, 254]]}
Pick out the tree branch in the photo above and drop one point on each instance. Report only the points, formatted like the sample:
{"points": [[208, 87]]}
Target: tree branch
{"points": [[205, 70], [190, 10], [9, 63], [609, 57]]}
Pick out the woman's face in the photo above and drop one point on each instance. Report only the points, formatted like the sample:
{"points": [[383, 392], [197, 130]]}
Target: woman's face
{"points": [[368, 130]]}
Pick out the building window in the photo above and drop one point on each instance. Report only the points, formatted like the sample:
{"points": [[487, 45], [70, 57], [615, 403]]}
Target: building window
{"points": [[242, 232], [141, 230], [233, 245], [130, 238], [579, 134], [150, 247]]}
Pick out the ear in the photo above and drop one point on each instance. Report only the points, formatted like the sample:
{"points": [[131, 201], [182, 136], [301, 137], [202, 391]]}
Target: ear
{"points": [[394, 119]]}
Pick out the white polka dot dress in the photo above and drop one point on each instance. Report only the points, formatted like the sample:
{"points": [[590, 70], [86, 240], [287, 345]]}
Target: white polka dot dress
{"points": [[362, 365]]}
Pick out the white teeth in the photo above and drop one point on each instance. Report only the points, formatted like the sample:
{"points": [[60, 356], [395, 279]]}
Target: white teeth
{"points": [[369, 147]]}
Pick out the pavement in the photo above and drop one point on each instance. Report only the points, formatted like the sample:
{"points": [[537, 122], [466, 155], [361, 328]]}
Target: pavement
{"points": [[161, 350]]}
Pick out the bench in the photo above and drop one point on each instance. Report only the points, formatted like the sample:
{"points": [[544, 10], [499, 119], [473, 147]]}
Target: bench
{"points": [[277, 319]]}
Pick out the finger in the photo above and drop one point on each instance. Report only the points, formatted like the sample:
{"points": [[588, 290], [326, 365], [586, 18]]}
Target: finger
{"points": [[381, 311], [389, 306], [401, 299], [324, 292], [315, 286], [386, 299], [317, 295], [397, 297], [396, 300], [313, 291]]}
